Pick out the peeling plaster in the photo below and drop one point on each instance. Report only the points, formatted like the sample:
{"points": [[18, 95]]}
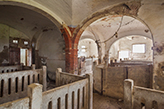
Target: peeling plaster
{"points": [[159, 49], [158, 78]]}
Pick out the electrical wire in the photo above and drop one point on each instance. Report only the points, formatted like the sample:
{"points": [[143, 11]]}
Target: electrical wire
{"points": [[115, 34]]}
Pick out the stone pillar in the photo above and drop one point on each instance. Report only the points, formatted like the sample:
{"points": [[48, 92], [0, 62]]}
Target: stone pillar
{"points": [[33, 66], [128, 91], [44, 77], [106, 60], [58, 70], [35, 95], [95, 63], [90, 90]]}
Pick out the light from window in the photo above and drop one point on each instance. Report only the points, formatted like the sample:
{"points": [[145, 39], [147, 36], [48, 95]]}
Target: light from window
{"points": [[82, 46], [15, 41], [123, 54], [25, 42], [83, 50], [139, 48]]}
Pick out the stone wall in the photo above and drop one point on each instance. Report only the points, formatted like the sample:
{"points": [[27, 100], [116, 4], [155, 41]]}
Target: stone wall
{"points": [[126, 44], [51, 49]]}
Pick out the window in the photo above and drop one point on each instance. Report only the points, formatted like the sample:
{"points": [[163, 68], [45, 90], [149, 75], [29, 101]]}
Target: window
{"points": [[83, 48], [25, 42], [15, 41], [123, 54], [139, 48]]}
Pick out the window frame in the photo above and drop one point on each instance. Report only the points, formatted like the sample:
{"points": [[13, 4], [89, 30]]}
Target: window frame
{"points": [[139, 52]]}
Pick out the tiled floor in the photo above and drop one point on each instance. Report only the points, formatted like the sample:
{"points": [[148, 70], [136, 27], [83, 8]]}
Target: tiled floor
{"points": [[102, 102]]}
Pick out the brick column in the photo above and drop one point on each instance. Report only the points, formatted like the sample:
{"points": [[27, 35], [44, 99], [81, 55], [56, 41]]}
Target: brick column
{"points": [[71, 57], [68, 47], [67, 59], [74, 61]]}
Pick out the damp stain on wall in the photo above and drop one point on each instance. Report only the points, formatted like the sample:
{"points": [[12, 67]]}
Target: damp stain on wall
{"points": [[4, 55], [158, 78]]}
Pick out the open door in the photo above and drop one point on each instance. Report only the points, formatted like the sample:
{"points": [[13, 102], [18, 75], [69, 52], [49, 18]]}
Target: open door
{"points": [[25, 55]]}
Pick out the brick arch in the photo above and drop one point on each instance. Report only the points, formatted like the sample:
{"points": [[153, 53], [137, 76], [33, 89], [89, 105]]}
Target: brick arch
{"points": [[68, 48]]}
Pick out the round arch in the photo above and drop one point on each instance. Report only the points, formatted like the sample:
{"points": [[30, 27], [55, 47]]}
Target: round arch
{"points": [[89, 46], [120, 45], [37, 8], [109, 45], [125, 9]]}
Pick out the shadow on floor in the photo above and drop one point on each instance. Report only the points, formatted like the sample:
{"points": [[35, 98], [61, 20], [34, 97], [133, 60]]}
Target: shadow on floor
{"points": [[103, 102]]}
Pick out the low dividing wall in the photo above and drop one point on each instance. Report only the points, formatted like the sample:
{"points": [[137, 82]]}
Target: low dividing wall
{"points": [[75, 95], [4, 69], [110, 81], [7, 69], [136, 97], [63, 78], [77, 90], [13, 85], [17, 104]]}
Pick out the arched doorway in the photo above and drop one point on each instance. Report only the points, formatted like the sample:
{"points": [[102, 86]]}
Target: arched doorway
{"points": [[45, 39], [106, 31], [134, 47], [87, 54]]}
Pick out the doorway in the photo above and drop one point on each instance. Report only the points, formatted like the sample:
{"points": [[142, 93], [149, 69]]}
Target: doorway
{"points": [[25, 56]]}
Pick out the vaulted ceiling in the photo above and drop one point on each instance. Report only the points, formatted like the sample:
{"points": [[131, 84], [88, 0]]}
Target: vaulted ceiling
{"points": [[104, 28], [27, 21]]}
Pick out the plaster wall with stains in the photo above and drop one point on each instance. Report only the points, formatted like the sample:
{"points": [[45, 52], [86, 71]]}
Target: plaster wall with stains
{"points": [[149, 13], [51, 46], [126, 44], [87, 48], [7, 33]]}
